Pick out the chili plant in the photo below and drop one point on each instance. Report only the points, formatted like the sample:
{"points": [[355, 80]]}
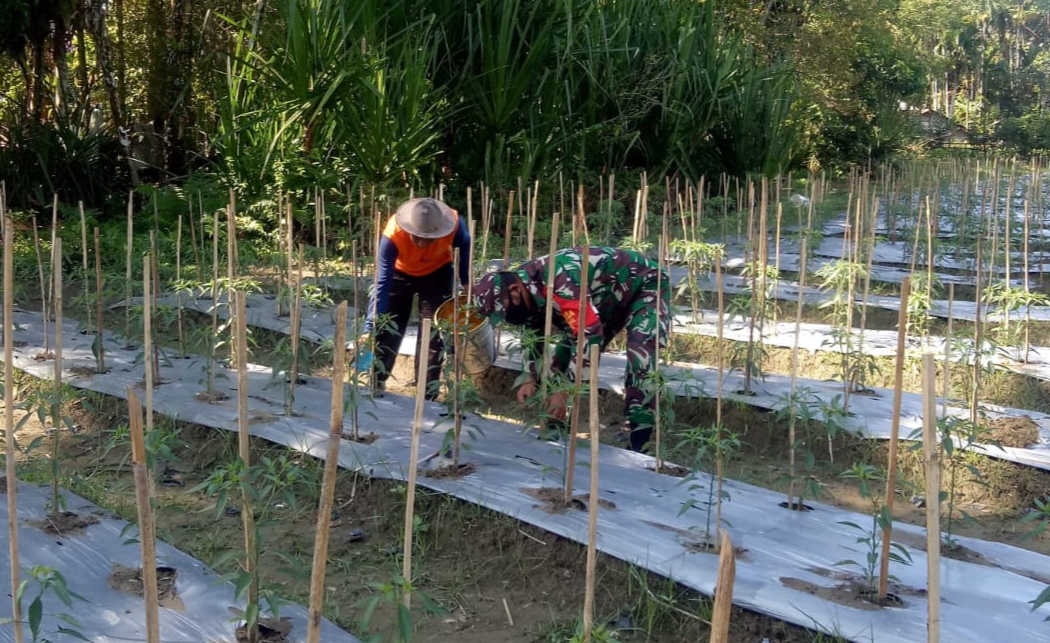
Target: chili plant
{"points": [[870, 480], [47, 580]]}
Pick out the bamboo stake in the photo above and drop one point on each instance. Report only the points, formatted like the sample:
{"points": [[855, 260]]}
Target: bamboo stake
{"points": [[147, 338], [1028, 305], [100, 355], [413, 459], [891, 468], [582, 220], [776, 254], [155, 354], [251, 557], [84, 252], [372, 379], [147, 537], [792, 438], [296, 321], [548, 320], [933, 508], [214, 301], [581, 327], [718, 396], [457, 364], [977, 335], [948, 350], [523, 208], [193, 240], [534, 200], [356, 372], [127, 268], [508, 230], [178, 291], [9, 420], [43, 288], [56, 400], [486, 213], [592, 502], [661, 253], [328, 479], [723, 607]]}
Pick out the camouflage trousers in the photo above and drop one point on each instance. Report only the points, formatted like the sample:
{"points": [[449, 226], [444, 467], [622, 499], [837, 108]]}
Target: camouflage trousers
{"points": [[648, 321]]}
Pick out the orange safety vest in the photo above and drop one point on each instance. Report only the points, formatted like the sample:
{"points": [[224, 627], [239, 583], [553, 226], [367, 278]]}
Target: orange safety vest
{"points": [[413, 260]]}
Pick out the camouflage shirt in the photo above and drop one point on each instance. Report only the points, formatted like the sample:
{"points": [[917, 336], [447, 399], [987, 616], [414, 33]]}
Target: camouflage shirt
{"points": [[614, 277]]}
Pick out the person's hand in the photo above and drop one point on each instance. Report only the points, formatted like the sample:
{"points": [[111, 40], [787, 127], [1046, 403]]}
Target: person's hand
{"points": [[363, 341], [526, 391], [556, 405]]}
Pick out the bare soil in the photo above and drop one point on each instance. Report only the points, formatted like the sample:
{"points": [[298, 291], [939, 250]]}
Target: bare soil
{"points": [[1018, 432], [66, 523], [129, 580]]}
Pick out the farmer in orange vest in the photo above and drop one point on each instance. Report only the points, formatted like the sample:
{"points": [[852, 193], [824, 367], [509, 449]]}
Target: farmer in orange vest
{"points": [[415, 259]]}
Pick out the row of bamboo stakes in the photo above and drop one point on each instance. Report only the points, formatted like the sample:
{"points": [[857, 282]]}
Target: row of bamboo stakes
{"points": [[640, 228]]}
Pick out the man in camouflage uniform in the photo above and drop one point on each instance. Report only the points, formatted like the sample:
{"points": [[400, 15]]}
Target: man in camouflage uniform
{"points": [[621, 293]]}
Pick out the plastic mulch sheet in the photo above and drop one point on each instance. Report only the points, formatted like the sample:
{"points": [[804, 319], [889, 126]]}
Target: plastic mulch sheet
{"points": [[788, 561], [198, 613]]}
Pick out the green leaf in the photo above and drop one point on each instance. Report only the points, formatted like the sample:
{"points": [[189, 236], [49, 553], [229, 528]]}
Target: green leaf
{"points": [[36, 616], [404, 623], [1042, 599]]}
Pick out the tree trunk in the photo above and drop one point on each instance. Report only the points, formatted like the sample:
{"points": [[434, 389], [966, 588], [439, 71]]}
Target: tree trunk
{"points": [[95, 21], [122, 66]]}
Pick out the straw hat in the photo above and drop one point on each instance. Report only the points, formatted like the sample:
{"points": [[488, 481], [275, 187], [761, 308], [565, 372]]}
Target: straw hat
{"points": [[426, 218]]}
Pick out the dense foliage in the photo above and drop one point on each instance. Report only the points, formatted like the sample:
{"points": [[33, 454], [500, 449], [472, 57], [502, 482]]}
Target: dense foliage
{"points": [[336, 93]]}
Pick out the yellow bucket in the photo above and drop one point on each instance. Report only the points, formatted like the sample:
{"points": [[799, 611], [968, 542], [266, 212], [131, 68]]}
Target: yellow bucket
{"points": [[477, 342]]}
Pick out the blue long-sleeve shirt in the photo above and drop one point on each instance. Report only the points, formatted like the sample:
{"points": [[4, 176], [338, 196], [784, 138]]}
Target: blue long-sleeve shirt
{"points": [[379, 302]]}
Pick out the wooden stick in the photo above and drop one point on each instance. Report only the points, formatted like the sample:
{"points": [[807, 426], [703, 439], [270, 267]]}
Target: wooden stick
{"points": [[251, 556], [328, 479], [581, 327], [11, 450], [507, 231], [56, 401], [723, 607], [147, 338], [147, 536], [84, 252], [592, 502], [100, 357], [413, 458], [930, 446], [891, 467]]}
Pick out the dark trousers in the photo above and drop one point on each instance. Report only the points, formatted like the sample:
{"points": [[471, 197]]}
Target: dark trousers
{"points": [[433, 290]]}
